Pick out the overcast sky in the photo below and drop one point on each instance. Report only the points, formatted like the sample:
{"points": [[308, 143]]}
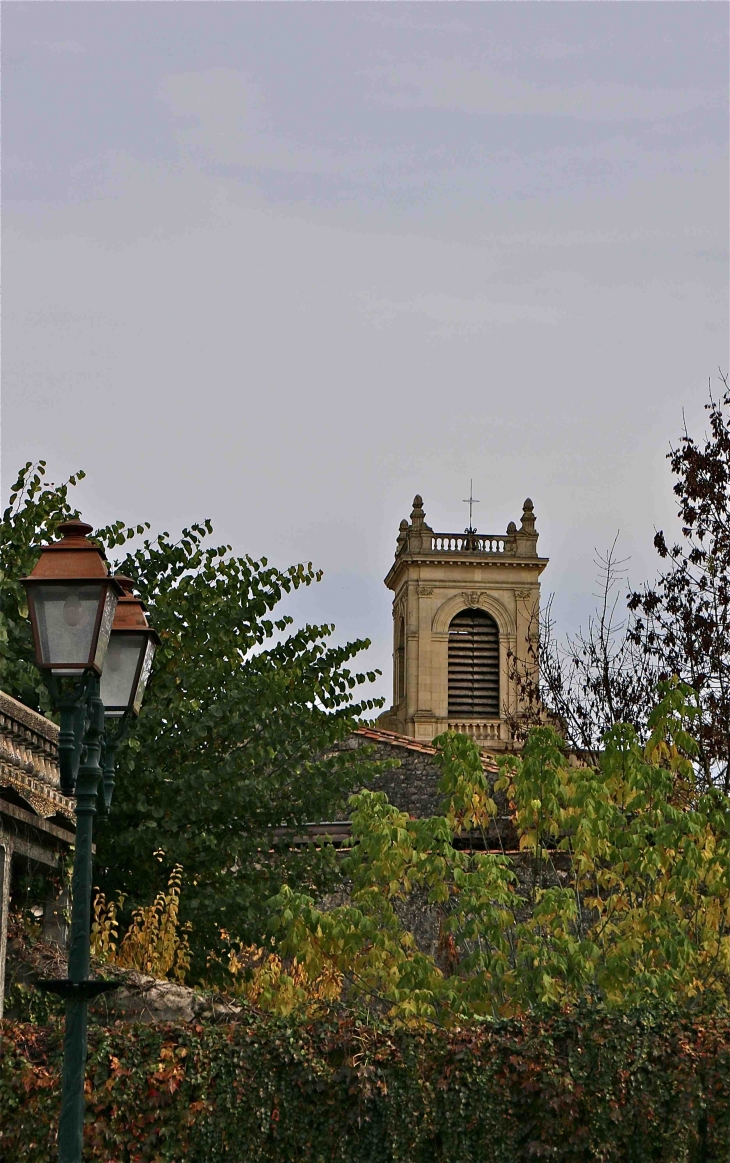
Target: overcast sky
{"points": [[285, 264]]}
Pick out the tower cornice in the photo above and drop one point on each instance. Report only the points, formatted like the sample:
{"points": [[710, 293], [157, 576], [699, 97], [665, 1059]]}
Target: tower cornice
{"points": [[404, 562], [417, 543]]}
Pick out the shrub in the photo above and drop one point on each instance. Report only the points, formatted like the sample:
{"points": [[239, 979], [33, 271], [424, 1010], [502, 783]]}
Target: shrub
{"points": [[571, 1085]]}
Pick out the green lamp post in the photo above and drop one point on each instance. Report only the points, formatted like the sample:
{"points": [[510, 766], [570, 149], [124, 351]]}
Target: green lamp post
{"points": [[92, 642]]}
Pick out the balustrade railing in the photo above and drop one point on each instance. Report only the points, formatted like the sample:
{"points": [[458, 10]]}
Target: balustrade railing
{"points": [[480, 730], [468, 543]]}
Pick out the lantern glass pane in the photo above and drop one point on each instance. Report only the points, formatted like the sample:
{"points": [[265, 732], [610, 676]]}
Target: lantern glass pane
{"points": [[105, 627], [120, 671], [66, 619], [144, 676]]}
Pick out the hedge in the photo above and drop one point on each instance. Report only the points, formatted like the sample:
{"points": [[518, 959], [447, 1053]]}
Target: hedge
{"points": [[578, 1086]]}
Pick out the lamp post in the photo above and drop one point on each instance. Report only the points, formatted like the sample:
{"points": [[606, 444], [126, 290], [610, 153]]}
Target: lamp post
{"points": [[92, 642], [127, 667]]}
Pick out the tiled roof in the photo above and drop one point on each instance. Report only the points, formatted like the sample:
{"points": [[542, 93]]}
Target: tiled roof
{"points": [[396, 740]]}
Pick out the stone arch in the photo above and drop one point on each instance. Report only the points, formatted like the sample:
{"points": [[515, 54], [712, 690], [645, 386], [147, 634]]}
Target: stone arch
{"points": [[456, 603]]}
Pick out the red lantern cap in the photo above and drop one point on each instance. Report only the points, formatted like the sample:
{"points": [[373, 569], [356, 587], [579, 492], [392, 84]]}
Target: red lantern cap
{"points": [[73, 558], [76, 565], [129, 614]]}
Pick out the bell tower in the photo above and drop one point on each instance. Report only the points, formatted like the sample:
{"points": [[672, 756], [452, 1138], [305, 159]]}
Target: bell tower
{"points": [[463, 603]]}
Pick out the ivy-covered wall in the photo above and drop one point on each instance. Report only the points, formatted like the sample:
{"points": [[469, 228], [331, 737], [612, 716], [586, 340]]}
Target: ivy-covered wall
{"points": [[575, 1087]]}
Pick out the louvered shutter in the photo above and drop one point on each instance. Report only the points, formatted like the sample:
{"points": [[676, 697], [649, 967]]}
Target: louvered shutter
{"points": [[474, 665]]}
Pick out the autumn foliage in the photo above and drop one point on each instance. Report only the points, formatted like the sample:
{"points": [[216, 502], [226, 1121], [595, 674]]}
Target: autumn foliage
{"points": [[646, 1086], [624, 895]]}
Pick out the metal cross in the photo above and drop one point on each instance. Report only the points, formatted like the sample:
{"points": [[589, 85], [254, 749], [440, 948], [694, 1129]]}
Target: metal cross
{"points": [[471, 500]]}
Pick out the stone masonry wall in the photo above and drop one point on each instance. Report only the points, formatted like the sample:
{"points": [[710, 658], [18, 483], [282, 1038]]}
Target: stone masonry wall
{"points": [[412, 787]]}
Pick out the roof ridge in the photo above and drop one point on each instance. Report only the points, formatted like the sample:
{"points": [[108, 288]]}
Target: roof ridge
{"points": [[397, 740]]}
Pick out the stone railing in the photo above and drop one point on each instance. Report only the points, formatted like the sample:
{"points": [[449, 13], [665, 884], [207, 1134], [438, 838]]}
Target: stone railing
{"points": [[29, 758], [480, 730], [492, 543], [419, 538]]}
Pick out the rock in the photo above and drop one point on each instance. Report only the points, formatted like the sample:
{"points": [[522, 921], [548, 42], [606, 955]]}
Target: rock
{"points": [[147, 999]]}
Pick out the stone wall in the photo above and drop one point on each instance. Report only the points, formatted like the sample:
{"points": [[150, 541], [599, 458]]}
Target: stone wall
{"points": [[413, 786]]}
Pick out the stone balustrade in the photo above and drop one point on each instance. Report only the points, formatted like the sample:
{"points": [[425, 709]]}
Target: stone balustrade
{"points": [[36, 819], [480, 730], [417, 538], [482, 543], [29, 758]]}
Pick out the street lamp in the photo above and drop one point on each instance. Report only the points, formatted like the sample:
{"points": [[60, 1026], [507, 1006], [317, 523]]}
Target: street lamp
{"points": [[127, 667], [131, 648], [91, 641], [71, 601]]}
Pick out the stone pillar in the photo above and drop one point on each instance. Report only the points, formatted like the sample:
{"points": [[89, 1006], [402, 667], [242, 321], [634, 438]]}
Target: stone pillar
{"points": [[412, 651], [6, 857]]}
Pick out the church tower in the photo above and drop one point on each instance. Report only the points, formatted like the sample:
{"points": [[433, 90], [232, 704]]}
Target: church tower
{"points": [[463, 605]]}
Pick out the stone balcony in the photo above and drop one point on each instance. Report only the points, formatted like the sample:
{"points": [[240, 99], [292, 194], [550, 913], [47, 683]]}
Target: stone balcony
{"points": [[36, 819], [490, 543], [29, 759], [483, 731]]}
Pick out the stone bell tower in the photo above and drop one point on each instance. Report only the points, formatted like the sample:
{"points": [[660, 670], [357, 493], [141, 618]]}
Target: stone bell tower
{"points": [[462, 604]]}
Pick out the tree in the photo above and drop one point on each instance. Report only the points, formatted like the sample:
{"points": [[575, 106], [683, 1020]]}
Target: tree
{"points": [[588, 682], [238, 728], [626, 897], [679, 625], [683, 620]]}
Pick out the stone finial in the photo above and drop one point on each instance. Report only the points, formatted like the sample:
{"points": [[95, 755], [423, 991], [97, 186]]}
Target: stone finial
{"points": [[402, 538], [525, 538], [419, 532], [511, 528], [528, 517], [418, 516]]}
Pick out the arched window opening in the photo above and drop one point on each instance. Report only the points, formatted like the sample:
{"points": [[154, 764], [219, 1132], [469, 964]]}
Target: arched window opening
{"points": [[474, 665], [400, 662]]}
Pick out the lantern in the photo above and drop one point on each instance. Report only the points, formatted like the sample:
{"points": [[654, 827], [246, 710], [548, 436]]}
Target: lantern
{"points": [[71, 601], [129, 656]]}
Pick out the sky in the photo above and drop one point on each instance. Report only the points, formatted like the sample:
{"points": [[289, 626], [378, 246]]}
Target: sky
{"points": [[284, 265]]}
